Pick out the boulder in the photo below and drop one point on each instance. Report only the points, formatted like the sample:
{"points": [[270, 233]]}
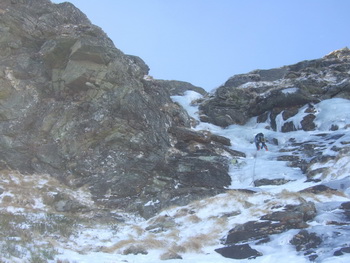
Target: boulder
{"points": [[292, 217], [254, 231], [135, 250], [238, 252], [307, 243], [277, 181], [304, 241], [170, 255], [342, 251]]}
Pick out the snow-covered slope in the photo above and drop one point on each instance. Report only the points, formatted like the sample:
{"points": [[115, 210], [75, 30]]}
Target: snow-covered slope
{"points": [[192, 233]]}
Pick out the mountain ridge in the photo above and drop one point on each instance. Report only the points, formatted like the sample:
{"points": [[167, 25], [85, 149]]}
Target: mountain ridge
{"points": [[278, 89]]}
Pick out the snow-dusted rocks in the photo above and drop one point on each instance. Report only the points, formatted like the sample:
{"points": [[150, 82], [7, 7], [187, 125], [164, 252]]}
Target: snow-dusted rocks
{"points": [[85, 138], [268, 93], [257, 232], [306, 242]]}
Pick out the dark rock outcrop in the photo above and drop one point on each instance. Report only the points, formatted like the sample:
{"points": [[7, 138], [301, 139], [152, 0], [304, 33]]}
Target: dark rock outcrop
{"points": [[342, 251], [346, 211], [292, 217], [259, 232], [176, 87], [318, 189], [278, 181], [269, 93], [74, 106], [238, 252], [307, 242]]}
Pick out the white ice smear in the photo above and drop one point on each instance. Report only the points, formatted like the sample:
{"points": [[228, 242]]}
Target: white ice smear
{"points": [[187, 100], [333, 112]]}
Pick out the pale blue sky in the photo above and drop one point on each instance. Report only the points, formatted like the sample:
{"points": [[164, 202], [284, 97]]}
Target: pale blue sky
{"points": [[205, 42]]}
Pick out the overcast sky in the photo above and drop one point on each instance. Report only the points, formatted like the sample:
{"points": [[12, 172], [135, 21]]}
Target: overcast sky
{"points": [[205, 42]]}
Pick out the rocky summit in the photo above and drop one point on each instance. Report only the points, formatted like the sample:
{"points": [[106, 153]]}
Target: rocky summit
{"points": [[267, 93], [100, 162]]}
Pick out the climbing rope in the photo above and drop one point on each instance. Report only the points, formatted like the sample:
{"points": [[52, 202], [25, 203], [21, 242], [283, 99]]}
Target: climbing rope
{"points": [[253, 181]]}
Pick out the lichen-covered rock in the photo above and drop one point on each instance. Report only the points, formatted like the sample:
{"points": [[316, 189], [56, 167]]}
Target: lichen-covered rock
{"points": [[74, 106]]}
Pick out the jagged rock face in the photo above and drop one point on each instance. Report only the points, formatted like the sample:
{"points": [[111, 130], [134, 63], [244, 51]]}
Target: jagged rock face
{"points": [[267, 93], [176, 87], [74, 106]]}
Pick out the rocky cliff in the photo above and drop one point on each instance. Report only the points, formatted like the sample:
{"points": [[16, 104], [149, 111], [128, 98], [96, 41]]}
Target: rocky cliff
{"points": [[86, 134], [76, 107], [267, 93]]}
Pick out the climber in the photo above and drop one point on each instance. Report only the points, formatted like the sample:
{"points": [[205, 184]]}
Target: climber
{"points": [[260, 139]]}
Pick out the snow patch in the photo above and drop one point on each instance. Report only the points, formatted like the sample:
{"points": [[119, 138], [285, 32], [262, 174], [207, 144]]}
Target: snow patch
{"points": [[290, 90], [333, 112]]}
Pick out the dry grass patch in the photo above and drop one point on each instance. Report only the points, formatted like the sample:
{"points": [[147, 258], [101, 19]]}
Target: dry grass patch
{"points": [[259, 211], [37, 191], [194, 219], [196, 243], [119, 245], [138, 230], [236, 196], [285, 195], [173, 235], [151, 242], [177, 249], [331, 193], [19, 237], [221, 222], [183, 212], [302, 196], [193, 245]]}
